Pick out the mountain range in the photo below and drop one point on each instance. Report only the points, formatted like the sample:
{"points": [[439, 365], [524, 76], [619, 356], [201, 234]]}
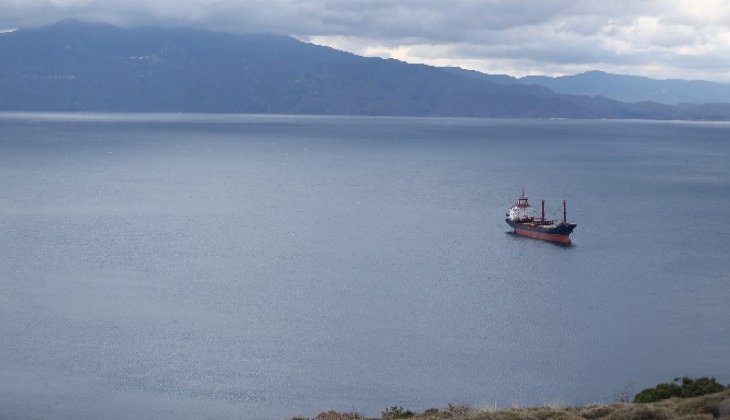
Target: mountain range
{"points": [[634, 88], [81, 66]]}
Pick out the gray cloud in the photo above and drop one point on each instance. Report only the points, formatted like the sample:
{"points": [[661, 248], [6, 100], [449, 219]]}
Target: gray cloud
{"points": [[659, 38]]}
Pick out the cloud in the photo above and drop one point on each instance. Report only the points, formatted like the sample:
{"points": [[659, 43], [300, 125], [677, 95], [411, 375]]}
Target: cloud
{"points": [[658, 38]]}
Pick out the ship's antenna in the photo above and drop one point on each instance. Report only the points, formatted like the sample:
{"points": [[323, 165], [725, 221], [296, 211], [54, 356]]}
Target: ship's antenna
{"points": [[523, 191], [565, 212]]}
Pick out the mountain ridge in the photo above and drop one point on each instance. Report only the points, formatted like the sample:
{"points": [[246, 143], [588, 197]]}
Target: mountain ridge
{"points": [[82, 66], [621, 87], [630, 88]]}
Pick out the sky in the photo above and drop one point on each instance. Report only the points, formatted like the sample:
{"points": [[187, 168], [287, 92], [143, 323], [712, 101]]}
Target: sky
{"points": [[687, 39]]}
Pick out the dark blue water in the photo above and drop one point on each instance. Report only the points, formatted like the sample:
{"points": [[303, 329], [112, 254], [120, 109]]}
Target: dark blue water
{"points": [[171, 266]]}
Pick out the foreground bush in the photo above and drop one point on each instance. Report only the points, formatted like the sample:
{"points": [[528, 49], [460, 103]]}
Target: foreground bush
{"points": [[397, 412], [705, 407], [681, 387]]}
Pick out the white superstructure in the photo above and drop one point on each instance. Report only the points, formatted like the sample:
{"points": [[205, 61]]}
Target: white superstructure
{"points": [[521, 210]]}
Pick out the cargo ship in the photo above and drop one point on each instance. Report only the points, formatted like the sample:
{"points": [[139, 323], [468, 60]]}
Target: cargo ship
{"points": [[521, 219]]}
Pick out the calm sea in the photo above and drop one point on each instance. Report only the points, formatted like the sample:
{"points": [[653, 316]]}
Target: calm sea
{"points": [[180, 266]]}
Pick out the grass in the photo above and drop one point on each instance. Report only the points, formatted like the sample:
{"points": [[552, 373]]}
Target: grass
{"points": [[706, 407]]}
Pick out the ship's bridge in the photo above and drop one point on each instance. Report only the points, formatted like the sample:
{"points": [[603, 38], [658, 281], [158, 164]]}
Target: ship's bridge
{"points": [[521, 210]]}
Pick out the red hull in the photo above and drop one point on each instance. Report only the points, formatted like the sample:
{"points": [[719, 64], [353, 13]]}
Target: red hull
{"points": [[552, 237]]}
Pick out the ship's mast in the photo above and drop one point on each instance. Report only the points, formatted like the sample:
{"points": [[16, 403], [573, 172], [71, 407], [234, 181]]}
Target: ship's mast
{"points": [[543, 212], [522, 201], [565, 212]]}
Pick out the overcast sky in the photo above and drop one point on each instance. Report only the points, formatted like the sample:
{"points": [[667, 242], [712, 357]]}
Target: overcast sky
{"points": [[657, 38]]}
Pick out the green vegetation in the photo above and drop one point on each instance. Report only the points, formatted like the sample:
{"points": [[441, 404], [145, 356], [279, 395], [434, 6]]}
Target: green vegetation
{"points": [[703, 407], [397, 412], [681, 388]]}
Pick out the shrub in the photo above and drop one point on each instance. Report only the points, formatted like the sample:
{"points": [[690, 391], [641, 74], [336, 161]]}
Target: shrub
{"points": [[335, 415], [595, 412], [397, 412], [681, 387], [624, 396], [658, 393], [640, 412], [701, 386], [723, 409], [458, 410]]}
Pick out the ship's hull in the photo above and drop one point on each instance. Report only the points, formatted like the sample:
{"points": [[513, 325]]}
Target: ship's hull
{"points": [[559, 233]]}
